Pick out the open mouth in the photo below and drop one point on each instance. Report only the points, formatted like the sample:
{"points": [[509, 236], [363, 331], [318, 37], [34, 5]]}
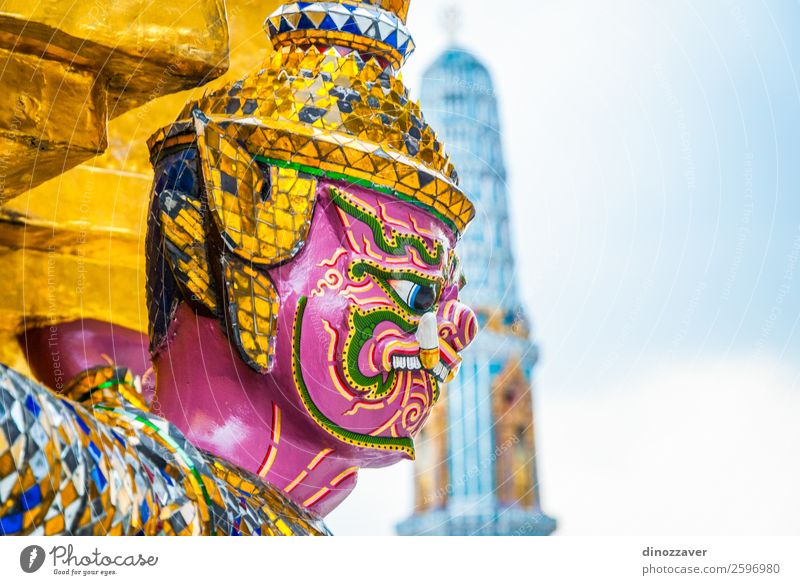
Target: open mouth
{"points": [[413, 363]]}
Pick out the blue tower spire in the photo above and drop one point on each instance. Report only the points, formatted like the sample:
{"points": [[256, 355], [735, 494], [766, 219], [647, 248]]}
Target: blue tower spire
{"points": [[476, 468]]}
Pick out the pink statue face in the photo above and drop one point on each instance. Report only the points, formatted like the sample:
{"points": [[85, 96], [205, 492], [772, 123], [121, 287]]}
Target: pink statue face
{"points": [[370, 325]]}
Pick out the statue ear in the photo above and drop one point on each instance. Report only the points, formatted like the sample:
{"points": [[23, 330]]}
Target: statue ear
{"points": [[259, 216], [251, 302]]}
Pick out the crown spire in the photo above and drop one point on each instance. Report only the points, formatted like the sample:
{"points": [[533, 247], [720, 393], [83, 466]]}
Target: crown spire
{"points": [[374, 27], [398, 7]]}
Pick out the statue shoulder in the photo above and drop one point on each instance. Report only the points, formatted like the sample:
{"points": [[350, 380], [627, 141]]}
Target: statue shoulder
{"points": [[111, 386]]}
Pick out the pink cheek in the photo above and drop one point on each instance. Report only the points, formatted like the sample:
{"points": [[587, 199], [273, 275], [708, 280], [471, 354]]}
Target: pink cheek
{"points": [[369, 361]]}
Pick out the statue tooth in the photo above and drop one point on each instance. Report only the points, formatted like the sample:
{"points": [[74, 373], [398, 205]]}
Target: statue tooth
{"points": [[442, 372]]}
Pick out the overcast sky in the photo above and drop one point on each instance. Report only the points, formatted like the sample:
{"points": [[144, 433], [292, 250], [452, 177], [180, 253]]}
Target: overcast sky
{"points": [[652, 150]]}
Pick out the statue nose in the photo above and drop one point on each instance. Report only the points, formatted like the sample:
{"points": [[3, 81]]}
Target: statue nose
{"points": [[444, 335], [458, 326]]}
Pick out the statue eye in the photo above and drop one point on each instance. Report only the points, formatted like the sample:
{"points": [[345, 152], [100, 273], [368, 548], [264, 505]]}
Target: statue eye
{"points": [[419, 297]]}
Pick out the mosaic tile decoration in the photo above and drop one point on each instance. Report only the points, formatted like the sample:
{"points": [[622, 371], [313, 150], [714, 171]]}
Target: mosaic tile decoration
{"points": [[262, 213], [306, 23], [95, 462], [252, 302]]}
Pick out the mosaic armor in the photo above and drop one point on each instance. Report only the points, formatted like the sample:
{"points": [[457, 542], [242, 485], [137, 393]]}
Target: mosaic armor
{"points": [[95, 461]]}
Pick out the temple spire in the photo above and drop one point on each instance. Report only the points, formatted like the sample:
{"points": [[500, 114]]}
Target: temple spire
{"points": [[476, 460], [452, 21]]}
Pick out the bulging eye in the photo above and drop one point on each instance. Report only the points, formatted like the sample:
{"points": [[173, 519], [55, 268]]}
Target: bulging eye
{"points": [[419, 297]]}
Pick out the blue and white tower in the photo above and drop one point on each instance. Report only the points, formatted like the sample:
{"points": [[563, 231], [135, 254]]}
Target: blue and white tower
{"points": [[476, 467]]}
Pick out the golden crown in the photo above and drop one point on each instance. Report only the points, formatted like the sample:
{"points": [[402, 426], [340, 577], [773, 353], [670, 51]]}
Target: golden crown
{"points": [[328, 101]]}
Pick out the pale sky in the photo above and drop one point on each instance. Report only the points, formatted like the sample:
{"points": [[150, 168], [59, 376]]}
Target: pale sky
{"points": [[652, 152]]}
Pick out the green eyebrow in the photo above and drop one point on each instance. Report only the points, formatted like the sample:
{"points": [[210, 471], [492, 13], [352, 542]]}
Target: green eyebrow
{"points": [[358, 270], [396, 245]]}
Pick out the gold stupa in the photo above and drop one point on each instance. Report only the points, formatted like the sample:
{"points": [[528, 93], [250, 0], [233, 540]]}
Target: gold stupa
{"points": [[73, 246]]}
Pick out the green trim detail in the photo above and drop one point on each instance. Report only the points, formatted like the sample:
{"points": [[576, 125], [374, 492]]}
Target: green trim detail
{"points": [[382, 443], [397, 245], [109, 384], [364, 183]]}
